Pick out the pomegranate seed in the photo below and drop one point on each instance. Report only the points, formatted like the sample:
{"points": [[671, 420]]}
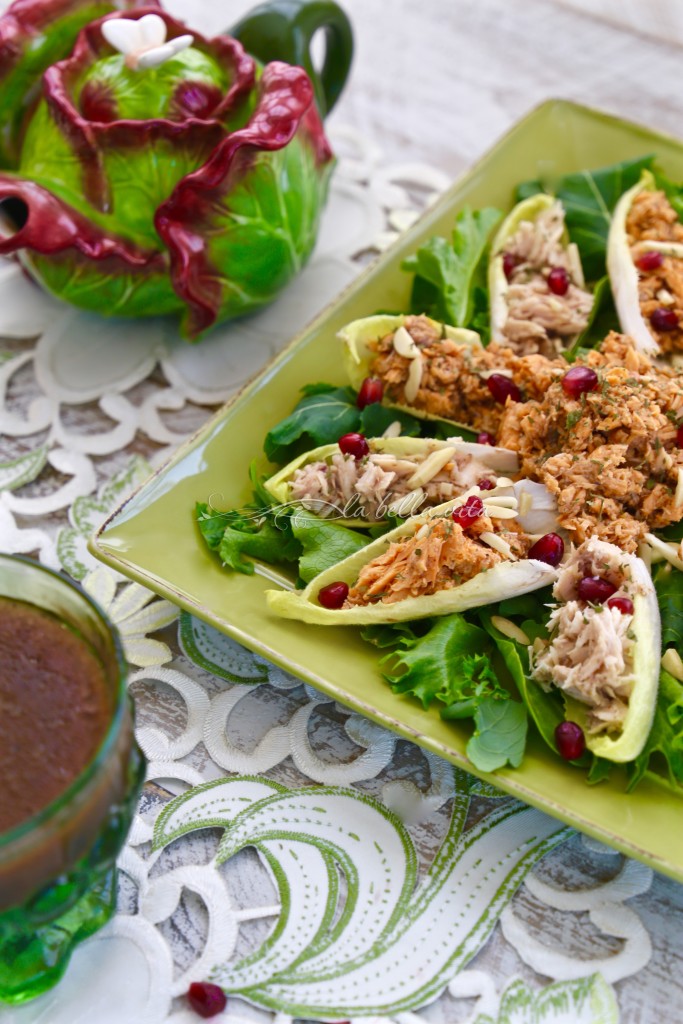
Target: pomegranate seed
{"points": [[548, 549], [97, 103], [679, 437], [333, 595], [579, 380], [354, 444], [510, 262], [624, 604], [485, 438], [486, 485], [663, 319], [502, 388], [206, 999], [650, 260], [570, 740], [595, 589], [558, 281], [467, 514], [371, 391]]}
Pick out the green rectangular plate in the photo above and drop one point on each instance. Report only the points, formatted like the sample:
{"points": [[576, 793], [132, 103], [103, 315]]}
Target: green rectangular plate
{"points": [[152, 537]]}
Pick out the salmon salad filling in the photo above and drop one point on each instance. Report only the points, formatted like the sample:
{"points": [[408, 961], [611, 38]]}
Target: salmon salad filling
{"points": [[382, 483], [604, 440], [441, 554], [651, 219], [547, 302], [454, 381], [589, 655]]}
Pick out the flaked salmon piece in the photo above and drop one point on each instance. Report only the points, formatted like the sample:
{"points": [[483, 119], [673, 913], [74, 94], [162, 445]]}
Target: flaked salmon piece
{"points": [[453, 382], [438, 556], [611, 457]]}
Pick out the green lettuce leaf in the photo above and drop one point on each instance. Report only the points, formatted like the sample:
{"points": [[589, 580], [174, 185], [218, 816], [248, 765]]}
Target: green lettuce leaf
{"points": [[500, 734], [589, 198], [603, 319], [321, 417], [323, 543], [669, 586], [448, 273], [451, 663], [665, 742], [325, 412]]}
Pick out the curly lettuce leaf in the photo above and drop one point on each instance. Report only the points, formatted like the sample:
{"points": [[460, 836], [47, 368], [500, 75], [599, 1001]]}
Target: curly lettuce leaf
{"points": [[589, 198], [448, 274], [450, 663], [241, 535]]}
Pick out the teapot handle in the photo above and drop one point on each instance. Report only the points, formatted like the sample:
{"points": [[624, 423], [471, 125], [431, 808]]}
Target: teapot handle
{"points": [[283, 30]]}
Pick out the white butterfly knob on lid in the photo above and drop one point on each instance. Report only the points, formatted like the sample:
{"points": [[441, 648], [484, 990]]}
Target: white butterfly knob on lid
{"points": [[143, 40]]}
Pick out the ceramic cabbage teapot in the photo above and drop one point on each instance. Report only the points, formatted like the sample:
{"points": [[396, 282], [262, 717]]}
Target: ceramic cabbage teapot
{"points": [[146, 169]]}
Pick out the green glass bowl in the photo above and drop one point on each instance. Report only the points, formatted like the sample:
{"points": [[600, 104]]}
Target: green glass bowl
{"points": [[57, 868]]}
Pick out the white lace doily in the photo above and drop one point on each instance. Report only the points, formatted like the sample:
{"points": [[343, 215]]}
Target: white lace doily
{"points": [[325, 868]]}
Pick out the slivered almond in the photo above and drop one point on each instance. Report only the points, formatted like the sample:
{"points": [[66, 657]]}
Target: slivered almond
{"points": [[500, 500], [496, 512], [671, 663], [539, 645], [666, 248], [665, 297], [393, 430], [503, 481], [405, 345], [678, 496], [575, 268], [497, 543], [414, 377], [668, 551], [509, 629], [432, 465]]}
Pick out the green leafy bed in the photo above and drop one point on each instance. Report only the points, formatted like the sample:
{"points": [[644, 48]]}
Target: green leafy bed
{"points": [[462, 664]]}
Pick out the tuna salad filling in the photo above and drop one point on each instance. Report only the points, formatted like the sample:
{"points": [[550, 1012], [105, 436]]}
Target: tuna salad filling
{"points": [[651, 218], [381, 484], [440, 555], [547, 301], [609, 454], [449, 381], [590, 652]]}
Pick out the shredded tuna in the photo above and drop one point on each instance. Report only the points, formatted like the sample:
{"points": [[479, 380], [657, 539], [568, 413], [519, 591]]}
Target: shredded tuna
{"points": [[652, 218], [610, 458], [438, 556], [366, 488], [589, 655], [453, 384], [538, 320]]}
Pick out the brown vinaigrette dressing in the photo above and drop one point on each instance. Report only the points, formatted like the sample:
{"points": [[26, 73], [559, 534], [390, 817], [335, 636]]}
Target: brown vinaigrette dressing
{"points": [[55, 708]]}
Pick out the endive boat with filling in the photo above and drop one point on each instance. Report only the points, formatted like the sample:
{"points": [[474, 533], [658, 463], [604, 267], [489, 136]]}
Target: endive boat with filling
{"points": [[360, 482], [645, 264], [604, 648], [538, 295], [459, 555], [435, 371]]}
